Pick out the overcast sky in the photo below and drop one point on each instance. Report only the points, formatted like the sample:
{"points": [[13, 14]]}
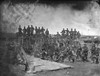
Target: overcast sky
{"points": [[55, 18]]}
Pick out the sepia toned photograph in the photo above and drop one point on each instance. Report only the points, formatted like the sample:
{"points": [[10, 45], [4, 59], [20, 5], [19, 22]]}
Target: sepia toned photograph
{"points": [[50, 38]]}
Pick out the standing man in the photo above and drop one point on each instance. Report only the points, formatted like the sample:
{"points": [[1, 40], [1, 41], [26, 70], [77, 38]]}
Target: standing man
{"points": [[42, 30], [24, 31], [63, 32], [28, 30], [31, 30], [19, 31]]}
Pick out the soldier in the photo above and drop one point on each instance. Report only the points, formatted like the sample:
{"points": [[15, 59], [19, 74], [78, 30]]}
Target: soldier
{"points": [[56, 55], [58, 35], [47, 32], [36, 29], [71, 33], [20, 30], [78, 34], [63, 32], [61, 56], [28, 30], [75, 32], [67, 32], [24, 31], [84, 53], [42, 30], [32, 30], [44, 54], [71, 55], [39, 30]]}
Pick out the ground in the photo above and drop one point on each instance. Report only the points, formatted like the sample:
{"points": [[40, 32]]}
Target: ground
{"points": [[79, 69], [84, 69]]}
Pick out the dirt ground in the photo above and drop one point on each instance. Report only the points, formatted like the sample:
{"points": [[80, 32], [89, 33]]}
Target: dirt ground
{"points": [[84, 69], [80, 69]]}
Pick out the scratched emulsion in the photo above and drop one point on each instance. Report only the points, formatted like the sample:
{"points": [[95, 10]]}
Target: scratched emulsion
{"points": [[87, 21]]}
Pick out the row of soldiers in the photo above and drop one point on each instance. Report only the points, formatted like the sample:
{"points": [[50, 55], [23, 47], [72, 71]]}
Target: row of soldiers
{"points": [[73, 34], [82, 53], [30, 30], [73, 54]]}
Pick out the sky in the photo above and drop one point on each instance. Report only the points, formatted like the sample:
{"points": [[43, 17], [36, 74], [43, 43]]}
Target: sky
{"points": [[84, 16]]}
